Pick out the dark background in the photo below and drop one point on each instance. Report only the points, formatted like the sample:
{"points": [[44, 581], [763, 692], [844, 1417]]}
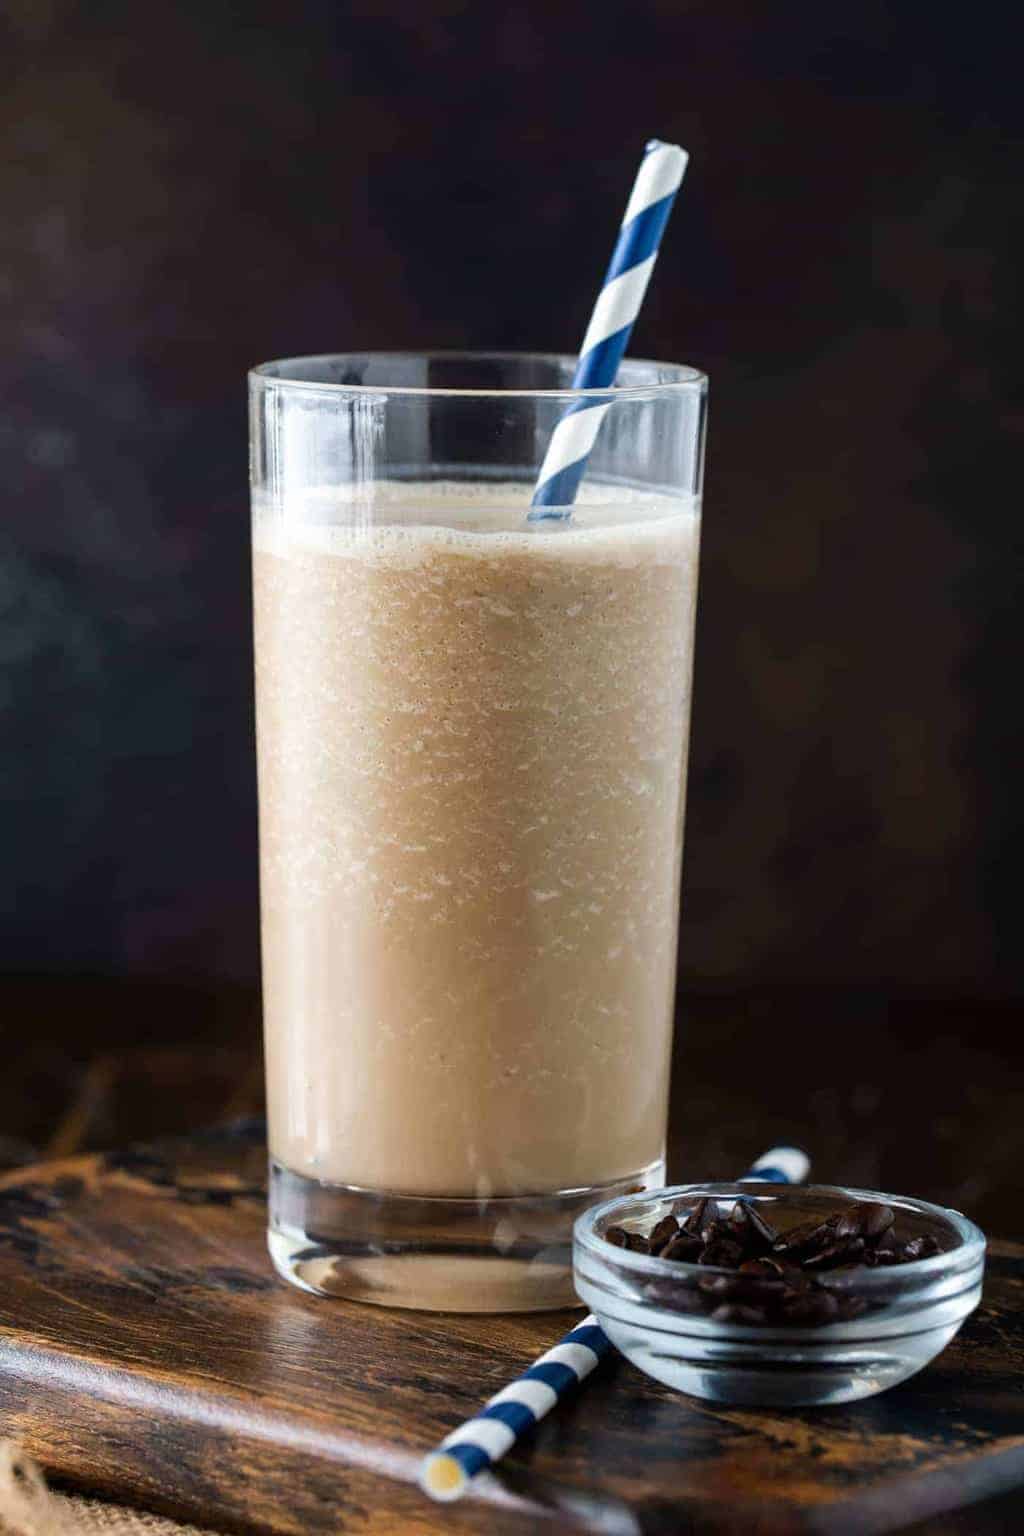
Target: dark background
{"points": [[190, 188]]}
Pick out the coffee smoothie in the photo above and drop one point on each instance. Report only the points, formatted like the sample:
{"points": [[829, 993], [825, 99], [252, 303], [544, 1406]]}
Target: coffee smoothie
{"points": [[472, 746]]}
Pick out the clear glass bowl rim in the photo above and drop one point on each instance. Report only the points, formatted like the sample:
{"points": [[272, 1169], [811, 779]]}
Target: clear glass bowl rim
{"points": [[689, 380], [970, 1248]]}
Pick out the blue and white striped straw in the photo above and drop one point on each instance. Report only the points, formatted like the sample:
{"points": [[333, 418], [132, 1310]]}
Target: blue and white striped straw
{"points": [[618, 304], [447, 1472], [782, 1165]]}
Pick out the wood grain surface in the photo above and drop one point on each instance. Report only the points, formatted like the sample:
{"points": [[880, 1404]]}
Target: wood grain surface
{"points": [[147, 1352]]}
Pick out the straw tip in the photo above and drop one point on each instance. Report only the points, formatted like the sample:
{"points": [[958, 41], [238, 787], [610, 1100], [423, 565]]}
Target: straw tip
{"points": [[677, 149], [791, 1163], [443, 1477]]}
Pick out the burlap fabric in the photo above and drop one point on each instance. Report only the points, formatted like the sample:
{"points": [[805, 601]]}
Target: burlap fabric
{"points": [[29, 1508]]}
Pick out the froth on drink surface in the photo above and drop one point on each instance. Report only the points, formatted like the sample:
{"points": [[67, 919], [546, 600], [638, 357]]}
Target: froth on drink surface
{"points": [[409, 518], [472, 745]]}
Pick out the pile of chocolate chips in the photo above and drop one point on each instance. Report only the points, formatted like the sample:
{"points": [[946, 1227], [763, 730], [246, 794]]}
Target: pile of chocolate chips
{"points": [[775, 1274]]}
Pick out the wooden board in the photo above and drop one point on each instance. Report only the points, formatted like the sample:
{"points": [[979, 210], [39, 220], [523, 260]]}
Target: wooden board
{"points": [[148, 1353]]}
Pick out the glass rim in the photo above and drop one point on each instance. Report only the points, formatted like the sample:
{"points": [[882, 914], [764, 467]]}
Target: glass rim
{"points": [[690, 380]]}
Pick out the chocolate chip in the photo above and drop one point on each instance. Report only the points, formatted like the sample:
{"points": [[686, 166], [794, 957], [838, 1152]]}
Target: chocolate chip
{"points": [[795, 1278], [744, 1287], [619, 1237], [737, 1219], [695, 1218], [884, 1248], [837, 1255], [919, 1248], [683, 1248], [750, 1229], [717, 1229], [763, 1228], [878, 1219], [661, 1235], [807, 1238], [717, 1285], [677, 1297], [766, 1268], [722, 1252], [851, 1307], [816, 1306], [734, 1312], [865, 1218]]}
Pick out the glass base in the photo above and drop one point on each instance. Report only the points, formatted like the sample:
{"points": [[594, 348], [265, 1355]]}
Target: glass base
{"points": [[507, 1254]]}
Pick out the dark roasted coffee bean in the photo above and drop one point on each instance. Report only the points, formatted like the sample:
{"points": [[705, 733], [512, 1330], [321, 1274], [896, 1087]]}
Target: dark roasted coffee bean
{"points": [[721, 1252], [735, 1312], [661, 1235], [837, 1255], [809, 1237], [816, 1306], [865, 1218], [683, 1249], [637, 1243]]}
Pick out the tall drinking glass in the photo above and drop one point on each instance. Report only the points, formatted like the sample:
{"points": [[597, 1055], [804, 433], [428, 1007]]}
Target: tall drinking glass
{"points": [[472, 731]]}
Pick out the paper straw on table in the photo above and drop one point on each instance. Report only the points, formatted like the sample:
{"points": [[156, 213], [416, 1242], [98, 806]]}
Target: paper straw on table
{"points": [[447, 1472], [618, 303], [782, 1165]]}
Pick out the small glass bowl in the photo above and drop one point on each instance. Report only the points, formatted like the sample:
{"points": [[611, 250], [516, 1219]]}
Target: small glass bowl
{"points": [[655, 1311]]}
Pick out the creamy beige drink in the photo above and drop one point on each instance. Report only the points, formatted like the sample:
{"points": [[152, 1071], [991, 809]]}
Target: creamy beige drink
{"points": [[472, 742]]}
